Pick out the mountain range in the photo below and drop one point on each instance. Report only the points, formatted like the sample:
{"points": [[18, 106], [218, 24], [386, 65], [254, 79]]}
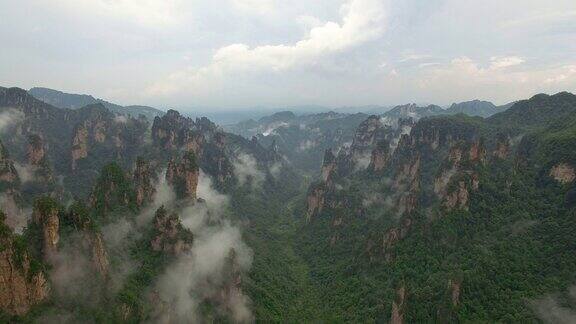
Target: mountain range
{"points": [[75, 101], [413, 215]]}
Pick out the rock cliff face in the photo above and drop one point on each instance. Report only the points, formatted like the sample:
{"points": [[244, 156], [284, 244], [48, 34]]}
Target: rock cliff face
{"points": [[37, 159], [170, 130], [100, 131], [397, 316], [174, 132], [370, 132], [100, 260], [502, 149], [171, 237], [411, 176], [393, 236], [10, 196], [144, 179], [79, 145], [454, 287], [76, 142], [22, 284], [328, 165], [46, 217], [8, 174], [458, 197], [458, 177], [563, 173], [183, 176], [315, 201], [214, 159], [380, 156], [35, 153], [90, 239]]}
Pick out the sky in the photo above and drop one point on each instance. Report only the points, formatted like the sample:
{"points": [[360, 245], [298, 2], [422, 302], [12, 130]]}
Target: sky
{"points": [[240, 54]]}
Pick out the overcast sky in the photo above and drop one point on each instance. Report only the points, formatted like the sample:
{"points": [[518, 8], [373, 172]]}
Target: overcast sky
{"points": [[244, 53]]}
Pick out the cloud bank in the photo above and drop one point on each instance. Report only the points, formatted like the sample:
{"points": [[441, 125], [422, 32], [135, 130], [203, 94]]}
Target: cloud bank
{"points": [[362, 20], [211, 271], [236, 54]]}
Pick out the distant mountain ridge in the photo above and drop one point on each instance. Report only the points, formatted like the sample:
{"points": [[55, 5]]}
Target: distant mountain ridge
{"points": [[75, 101], [414, 111], [474, 108]]}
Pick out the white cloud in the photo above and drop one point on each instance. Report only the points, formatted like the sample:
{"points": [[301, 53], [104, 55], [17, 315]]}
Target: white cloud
{"points": [[505, 61], [552, 309], [246, 170], [26, 172], [567, 74], [464, 78], [9, 118], [246, 53], [414, 57], [209, 271], [427, 64], [16, 218], [121, 119], [362, 21]]}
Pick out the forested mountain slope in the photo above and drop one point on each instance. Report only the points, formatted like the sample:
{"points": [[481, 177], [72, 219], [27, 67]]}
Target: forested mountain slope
{"points": [[445, 218], [458, 223], [75, 101]]}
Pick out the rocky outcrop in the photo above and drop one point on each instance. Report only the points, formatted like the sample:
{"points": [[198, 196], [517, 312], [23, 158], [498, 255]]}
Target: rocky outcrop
{"points": [[35, 152], [502, 149], [143, 179], [454, 287], [368, 134], [328, 165], [408, 173], [183, 176], [8, 174], [22, 283], [169, 130], [397, 316], [563, 173], [46, 216], [100, 260], [215, 161], [408, 201], [393, 236], [477, 152], [174, 132], [380, 156], [458, 197], [37, 159], [170, 236], [90, 239], [79, 145], [467, 152], [70, 135], [315, 201], [407, 185], [461, 164], [10, 197], [101, 131], [193, 141]]}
